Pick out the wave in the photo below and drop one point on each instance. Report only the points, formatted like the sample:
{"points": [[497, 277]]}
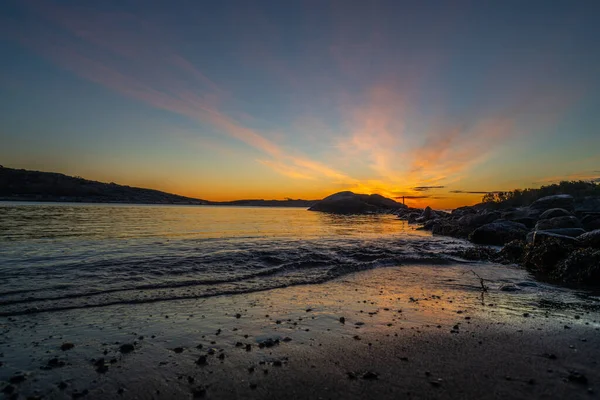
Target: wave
{"points": [[313, 268]]}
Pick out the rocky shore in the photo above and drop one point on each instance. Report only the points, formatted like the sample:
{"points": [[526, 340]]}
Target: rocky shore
{"points": [[555, 237]]}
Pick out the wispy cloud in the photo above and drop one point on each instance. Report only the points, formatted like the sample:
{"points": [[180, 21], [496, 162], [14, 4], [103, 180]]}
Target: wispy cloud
{"points": [[474, 191], [115, 51], [427, 188]]}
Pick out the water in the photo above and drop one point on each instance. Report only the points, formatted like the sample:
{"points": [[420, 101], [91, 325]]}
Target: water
{"points": [[63, 256]]}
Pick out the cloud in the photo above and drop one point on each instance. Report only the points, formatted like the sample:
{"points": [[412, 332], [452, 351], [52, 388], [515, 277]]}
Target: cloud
{"points": [[426, 188], [116, 51], [474, 191], [415, 197]]}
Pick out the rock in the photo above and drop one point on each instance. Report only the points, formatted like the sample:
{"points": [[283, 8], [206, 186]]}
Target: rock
{"points": [[54, 363], [352, 203], [564, 201], [529, 222], [558, 223], [15, 379], [413, 217], [480, 219], [591, 221], [8, 389], [555, 212], [475, 253], [461, 211], [370, 375], [588, 204], [571, 232], [67, 346], [268, 343], [590, 239], [202, 360], [581, 266], [512, 252], [126, 348], [575, 376], [428, 225], [199, 392], [537, 237], [498, 233], [509, 287], [542, 256], [515, 213], [427, 213], [450, 228]]}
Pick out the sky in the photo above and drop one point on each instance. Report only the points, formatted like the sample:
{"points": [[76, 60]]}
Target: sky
{"points": [[436, 101]]}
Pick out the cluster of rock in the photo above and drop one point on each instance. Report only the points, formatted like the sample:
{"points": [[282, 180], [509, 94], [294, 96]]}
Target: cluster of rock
{"points": [[353, 203], [555, 236]]}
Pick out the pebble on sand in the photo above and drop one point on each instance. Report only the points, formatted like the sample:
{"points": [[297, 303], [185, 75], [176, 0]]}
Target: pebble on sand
{"points": [[67, 346]]}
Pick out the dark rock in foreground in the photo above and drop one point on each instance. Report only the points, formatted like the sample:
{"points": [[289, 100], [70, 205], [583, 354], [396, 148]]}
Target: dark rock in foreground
{"points": [[498, 233], [581, 266], [591, 239], [352, 203]]}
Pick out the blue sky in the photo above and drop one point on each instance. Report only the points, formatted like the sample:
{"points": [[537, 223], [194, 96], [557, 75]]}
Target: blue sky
{"points": [[271, 99]]}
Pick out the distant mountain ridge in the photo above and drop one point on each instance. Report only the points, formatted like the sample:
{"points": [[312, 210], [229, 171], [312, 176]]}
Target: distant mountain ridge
{"points": [[26, 185]]}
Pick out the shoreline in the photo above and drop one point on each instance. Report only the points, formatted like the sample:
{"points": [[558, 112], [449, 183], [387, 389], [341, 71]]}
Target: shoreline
{"points": [[408, 331]]}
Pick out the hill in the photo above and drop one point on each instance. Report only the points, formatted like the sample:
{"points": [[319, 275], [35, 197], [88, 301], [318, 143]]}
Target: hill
{"points": [[25, 185]]}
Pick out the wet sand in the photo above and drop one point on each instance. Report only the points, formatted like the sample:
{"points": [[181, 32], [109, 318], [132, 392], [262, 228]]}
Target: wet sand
{"points": [[405, 332]]}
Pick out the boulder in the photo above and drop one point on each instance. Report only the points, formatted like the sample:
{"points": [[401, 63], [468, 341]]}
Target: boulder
{"points": [[527, 221], [479, 219], [590, 239], [564, 201], [558, 223], [427, 213], [512, 252], [555, 212], [412, 217], [588, 204], [571, 232], [581, 266], [450, 228], [352, 203], [428, 225], [542, 256], [461, 211], [518, 213], [591, 221], [537, 237], [498, 233]]}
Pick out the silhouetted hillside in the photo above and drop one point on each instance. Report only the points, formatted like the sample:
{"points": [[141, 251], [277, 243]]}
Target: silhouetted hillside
{"points": [[20, 184], [24, 185]]}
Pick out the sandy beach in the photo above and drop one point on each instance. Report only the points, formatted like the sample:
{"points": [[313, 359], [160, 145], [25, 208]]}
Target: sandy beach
{"points": [[399, 332]]}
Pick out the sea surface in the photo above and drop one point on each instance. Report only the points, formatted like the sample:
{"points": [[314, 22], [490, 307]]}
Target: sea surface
{"points": [[63, 256]]}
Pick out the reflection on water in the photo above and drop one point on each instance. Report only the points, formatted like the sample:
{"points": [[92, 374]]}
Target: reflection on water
{"points": [[103, 221]]}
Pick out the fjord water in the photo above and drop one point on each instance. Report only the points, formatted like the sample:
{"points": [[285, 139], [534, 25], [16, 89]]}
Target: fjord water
{"points": [[63, 256]]}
